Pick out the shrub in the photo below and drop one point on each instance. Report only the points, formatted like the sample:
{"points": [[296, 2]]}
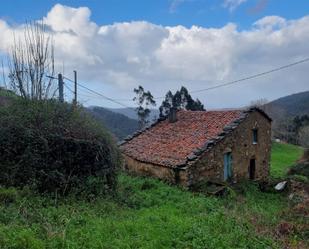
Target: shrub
{"points": [[7, 195], [17, 238], [53, 147], [306, 155], [299, 178], [300, 169]]}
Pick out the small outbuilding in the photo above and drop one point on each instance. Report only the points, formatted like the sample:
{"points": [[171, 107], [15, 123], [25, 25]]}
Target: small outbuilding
{"points": [[192, 146]]}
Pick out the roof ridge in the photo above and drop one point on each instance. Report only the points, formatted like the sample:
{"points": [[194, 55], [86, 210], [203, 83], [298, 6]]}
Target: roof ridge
{"points": [[147, 127], [209, 144]]}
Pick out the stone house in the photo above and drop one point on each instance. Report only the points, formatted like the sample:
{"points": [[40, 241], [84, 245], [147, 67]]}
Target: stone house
{"points": [[191, 146]]}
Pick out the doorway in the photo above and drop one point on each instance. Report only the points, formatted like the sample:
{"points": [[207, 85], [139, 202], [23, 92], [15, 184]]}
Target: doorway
{"points": [[227, 166], [252, 169]]}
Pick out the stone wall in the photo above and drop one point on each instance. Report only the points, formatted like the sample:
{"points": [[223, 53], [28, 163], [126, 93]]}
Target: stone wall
{"points": [[176, 176], [148, 169], [210, 166]]}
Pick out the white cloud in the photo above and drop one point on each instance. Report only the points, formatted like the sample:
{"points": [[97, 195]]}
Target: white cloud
{"points": [[270, 22], [114, 59], [232, 4], [174, 5], [77, 20]]}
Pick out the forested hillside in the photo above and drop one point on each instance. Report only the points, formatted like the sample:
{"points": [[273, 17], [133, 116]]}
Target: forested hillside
{"points": [[118, 124], [290, 116], [289, 106], [131, 113]]}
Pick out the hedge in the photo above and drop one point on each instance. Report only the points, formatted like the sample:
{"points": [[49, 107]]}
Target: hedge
{"points": [[54, 147]]}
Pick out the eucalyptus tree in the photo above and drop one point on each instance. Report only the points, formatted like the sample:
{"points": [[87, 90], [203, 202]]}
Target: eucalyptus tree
{"points": [[144, 101]]}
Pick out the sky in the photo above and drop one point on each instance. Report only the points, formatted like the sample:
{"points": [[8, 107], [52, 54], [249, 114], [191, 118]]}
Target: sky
{"points": [[164, 44]]}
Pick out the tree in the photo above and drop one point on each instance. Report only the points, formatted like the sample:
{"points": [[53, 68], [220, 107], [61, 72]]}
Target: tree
{"points": [[167, 104], [259, 103], [30, 60], [262, 104], [303, 136], [180, 100], [143, 100]]}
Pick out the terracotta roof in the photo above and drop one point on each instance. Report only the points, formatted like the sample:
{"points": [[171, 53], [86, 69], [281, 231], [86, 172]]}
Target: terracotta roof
{"points": [[173, 144]]}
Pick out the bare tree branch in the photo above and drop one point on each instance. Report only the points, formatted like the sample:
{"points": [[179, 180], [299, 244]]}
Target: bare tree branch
{"points": [[31, 59]]}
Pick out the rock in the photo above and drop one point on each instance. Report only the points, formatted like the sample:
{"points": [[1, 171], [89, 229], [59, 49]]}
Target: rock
{"points": [[281, 186], [191, 157], [128, 138], [136, 133], [197, 152], [181, 165], [121, 142], [219, 137]]}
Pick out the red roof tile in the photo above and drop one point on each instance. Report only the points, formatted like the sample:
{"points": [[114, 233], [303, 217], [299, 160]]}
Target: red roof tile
{"points": [[169, 144]]}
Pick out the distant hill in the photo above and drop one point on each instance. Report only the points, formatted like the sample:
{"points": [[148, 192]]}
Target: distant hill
{"points": [[131, 113], [118, 124], [289, 106]]}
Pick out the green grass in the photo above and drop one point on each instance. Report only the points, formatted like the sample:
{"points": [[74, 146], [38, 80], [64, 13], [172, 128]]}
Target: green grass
{"points": [[145, 213], [283, 157]]}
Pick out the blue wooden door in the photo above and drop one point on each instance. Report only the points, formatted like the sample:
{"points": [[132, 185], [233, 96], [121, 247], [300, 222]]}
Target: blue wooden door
{"points": [[227, 166]]}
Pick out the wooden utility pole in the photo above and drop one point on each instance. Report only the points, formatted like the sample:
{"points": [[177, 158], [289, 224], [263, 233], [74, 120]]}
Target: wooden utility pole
{"points": [[75, 88], [60, 86]]}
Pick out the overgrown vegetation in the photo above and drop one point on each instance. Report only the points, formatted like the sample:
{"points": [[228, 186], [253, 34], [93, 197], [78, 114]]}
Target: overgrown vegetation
{"points": [[53, 147], [147, 213]]}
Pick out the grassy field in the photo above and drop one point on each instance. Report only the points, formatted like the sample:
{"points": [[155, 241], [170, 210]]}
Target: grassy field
{"points": [[146, 213], [283, 156]]}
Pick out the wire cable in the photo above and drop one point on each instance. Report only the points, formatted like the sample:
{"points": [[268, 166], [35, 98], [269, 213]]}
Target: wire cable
{"points": [[241, 79], [252, 76], [100, 94], [200, 90], [80, 94], [67, 87]]}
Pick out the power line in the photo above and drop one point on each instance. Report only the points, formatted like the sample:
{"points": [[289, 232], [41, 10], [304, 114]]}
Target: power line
{"points": [[70, 89], [200, 90], [84, 95], [239, 80], [253, 76], [90, 90], [100, 94], [67, 87]]}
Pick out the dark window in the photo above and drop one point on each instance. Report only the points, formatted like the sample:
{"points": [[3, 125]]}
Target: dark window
{"points": [[255, 136]]}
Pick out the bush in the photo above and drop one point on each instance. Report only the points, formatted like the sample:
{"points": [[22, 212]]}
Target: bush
{"points": [[8, 195], [299, 178], [306, 155], [300, 169], [53, 147]]}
